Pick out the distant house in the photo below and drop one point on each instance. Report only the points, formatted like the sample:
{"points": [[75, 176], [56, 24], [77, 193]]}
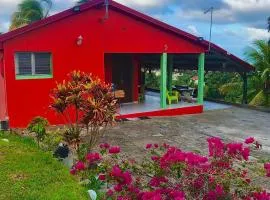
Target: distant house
{"points": [[114, 45]]}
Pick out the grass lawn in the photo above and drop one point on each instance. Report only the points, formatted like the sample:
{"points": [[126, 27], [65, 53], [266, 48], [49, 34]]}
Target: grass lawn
{"points": [[26, 172]]}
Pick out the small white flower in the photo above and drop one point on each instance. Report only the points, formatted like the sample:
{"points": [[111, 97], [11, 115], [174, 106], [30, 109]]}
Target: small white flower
{"points": [[92, 194]]}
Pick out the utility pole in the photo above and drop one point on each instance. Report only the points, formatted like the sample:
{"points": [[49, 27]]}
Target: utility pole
{"points": [[211, 25]]}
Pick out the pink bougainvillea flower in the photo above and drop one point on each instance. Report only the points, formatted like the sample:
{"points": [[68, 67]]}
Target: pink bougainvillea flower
{"points": [[155, 158], [93, 157], [80, 166], [267, 168], [104, 146], [215, 194], [195, 159], [261, 195], [250, 140], [219, 190], [245, 153], [102, 177], [216, 147], [73, 171], [114, 150], [156, 145], [198, 183], [234, 148], [124, 178], [157, 181], [154, 195], [177, 195], [148, 146], [110, 192], [118, 188]]}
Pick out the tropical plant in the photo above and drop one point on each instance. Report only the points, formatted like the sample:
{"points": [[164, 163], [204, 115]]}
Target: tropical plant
{"points": [[81, 2], [30, 11], [259, 82], [38, 126], [86, 103], [259, 56], [168, 172]]}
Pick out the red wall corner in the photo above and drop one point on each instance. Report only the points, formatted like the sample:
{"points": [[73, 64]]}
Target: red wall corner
{"points": [[2, 89]]}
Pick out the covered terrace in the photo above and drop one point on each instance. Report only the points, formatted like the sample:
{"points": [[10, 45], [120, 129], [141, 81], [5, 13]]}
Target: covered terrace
{"points": [[156, 103]]}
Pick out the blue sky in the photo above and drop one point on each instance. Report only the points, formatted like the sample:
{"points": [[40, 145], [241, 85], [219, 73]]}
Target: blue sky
{"points": [[236, 22]]}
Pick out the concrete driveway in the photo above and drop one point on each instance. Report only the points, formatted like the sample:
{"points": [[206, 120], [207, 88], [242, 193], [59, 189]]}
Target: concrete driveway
{"points": [[191, 131]]}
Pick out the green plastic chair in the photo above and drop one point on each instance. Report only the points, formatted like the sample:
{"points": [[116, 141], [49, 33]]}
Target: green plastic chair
{"points": [[172, 96]]}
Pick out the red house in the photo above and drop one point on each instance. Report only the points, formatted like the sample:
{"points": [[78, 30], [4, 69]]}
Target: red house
{"points": [[114, 45]]}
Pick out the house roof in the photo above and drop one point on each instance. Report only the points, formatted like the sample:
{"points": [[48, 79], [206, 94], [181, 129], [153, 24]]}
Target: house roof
{"points": [[131, 12]]}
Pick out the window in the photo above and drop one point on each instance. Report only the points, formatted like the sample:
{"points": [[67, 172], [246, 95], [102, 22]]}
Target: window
{"points": [[33, 65]]}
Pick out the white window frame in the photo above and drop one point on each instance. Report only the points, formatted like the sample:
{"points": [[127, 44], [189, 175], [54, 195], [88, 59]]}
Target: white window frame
{"points": [[33, 68]]}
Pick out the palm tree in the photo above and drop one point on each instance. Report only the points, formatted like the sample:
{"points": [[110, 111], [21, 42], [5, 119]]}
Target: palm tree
{"points": [[81, 2], [30, 11], [259, 82], [259, 56]]}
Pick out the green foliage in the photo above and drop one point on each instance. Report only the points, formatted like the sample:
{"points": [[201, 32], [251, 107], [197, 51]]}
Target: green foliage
{"points": [[152, 80], [81, 2], [214, 82], [258, 82], [259, 56], [52, 140], [94, 183], [184, 78], [30, 11], [38, 126], [27, 172]]}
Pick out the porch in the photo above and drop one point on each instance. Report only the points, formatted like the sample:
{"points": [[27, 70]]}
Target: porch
{"points": [[127, 73], [151, 107]]}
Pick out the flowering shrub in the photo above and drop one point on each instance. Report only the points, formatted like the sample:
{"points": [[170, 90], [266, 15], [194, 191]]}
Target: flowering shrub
{"points": [[167, 172], [85, 102]]}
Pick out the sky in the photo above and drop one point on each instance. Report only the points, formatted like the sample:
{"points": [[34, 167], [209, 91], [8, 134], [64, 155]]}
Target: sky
{"points": [[236, 23]]}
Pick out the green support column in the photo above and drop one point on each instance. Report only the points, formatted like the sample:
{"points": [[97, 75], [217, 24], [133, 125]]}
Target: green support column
{"points": [[201, 78], [163, 80], [244, 100], [170, 72]]}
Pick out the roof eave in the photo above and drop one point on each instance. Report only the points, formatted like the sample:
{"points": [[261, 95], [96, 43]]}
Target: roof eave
{"points": [[46, 21]]}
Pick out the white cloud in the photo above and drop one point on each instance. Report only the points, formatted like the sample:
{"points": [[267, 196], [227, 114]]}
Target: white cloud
{"points": [[256, 34], [248, 5], [193, 30], [142, 3]]}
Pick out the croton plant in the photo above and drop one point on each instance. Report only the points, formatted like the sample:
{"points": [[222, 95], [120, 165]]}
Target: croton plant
{"points": [[85, 103]]}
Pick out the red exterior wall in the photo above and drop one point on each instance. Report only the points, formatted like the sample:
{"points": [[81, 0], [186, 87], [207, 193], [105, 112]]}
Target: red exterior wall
{"points": [[2, 89], [119, 34]]}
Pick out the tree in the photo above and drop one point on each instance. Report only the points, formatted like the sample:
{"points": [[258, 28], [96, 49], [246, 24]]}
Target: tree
{"points": [[259, 82], [80, 2], [30, 11], [259, 56]]}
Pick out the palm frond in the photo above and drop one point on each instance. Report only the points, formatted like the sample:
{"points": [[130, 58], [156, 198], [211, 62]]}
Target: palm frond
{"points": [[30, 11], [259, 100], [230, 87]]}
